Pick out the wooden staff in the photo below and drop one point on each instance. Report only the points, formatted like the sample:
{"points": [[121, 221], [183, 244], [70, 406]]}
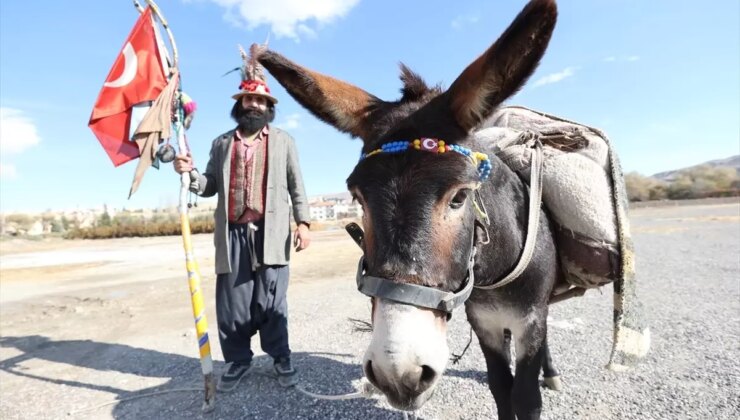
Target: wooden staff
{"points": [[196, 294]]}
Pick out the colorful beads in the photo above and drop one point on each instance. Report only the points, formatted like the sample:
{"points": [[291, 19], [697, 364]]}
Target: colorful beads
{"points": [[480, 160], [395, 147]]}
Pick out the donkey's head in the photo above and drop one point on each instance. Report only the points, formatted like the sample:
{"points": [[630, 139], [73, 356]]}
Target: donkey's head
{"points": [[419, 217]]}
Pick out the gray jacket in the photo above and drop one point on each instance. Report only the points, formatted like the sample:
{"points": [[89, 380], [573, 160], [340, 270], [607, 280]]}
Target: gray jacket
{"points": [[283, 179]]}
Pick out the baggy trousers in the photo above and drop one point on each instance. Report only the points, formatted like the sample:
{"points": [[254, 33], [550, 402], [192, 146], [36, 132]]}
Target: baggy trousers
{"points": [[250, 300]]}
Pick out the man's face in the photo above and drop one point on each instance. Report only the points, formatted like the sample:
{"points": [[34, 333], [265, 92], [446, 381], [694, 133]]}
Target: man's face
{"points": [[252, 113], [254, 102]]}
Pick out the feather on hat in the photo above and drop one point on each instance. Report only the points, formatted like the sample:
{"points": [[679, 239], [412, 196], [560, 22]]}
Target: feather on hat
{"points": [[253, 76]]}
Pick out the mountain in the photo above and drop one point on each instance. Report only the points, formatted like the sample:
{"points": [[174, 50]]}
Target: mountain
{"points": [[732, 162]]}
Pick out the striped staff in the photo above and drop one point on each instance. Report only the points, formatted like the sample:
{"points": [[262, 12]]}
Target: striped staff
{"points": [[196, 294]]}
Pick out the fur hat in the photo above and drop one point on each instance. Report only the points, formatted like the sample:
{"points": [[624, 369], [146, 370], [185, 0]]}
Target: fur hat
{"points": [[253, 77]]}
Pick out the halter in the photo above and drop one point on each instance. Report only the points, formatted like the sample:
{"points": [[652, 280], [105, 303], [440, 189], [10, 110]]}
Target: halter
{"points": [[414, 294]]}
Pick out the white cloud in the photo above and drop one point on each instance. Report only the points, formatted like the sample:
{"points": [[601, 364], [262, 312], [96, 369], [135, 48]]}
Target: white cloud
{"points": [[555, 77], [306, 30], [291, 122], [286, 18], [7, 171], [17, 132], [460, 21], [610, 58], [633, 58]]}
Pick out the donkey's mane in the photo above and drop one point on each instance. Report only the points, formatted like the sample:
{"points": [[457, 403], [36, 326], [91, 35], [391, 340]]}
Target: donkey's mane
{"points": [[414, 87]]}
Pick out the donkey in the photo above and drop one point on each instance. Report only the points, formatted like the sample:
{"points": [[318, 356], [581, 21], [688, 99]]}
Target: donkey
{"points": [[424, 226]]}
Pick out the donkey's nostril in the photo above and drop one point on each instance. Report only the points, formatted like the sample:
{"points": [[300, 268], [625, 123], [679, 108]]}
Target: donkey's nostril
{"points": [[419, 379], [370, 374], [428, 375]]}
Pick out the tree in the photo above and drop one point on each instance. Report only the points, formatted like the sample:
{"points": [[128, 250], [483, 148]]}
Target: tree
{"points": [[104, 219], [68, 224], [57, 226], [702, 181], [681, 188], [642, 188]]}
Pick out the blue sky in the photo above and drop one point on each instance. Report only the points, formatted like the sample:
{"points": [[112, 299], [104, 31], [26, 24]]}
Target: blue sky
{"points": [[661, 78]]}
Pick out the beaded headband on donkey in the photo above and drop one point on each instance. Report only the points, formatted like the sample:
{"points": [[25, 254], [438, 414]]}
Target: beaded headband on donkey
{"points": [[480, 160]]}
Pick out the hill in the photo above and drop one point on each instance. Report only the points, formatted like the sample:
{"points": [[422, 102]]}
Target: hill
{"points": [[730, 162]]}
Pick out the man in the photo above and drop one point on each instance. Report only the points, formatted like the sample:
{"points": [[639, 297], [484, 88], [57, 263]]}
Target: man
{"points": [[253, 169]]}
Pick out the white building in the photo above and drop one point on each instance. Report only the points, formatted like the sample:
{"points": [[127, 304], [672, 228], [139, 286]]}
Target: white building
{"points": [[322, 211], [347, 210], [332, 211]]}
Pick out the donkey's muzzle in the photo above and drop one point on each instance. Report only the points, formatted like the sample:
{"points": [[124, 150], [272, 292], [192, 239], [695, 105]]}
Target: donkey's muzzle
{"points": [[406, 393]]}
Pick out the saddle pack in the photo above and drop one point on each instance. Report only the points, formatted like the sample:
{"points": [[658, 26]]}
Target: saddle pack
{"points": [[583, 190]]}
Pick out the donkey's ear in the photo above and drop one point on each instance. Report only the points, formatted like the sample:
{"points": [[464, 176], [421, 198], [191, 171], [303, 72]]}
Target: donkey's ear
{"points": [[335, 102], [504, 67]]}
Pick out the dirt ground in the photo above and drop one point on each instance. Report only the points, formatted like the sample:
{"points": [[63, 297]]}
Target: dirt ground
{"points": [[61, 301], [83, 323]]}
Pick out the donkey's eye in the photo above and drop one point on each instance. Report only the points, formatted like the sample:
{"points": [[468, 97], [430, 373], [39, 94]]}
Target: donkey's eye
{"points": [[459, 199]]}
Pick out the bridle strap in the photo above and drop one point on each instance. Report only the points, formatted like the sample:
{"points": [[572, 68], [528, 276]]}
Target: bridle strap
{"points": [[413, 294], [533, 225]]}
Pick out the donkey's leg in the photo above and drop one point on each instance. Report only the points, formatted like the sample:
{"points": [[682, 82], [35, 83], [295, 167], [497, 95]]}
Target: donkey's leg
{"points": [[497, 352], [550, 373], [525, 395]]}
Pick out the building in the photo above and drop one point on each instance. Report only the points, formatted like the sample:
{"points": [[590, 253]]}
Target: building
{"points": [[326, 210], [348, 210], [322, 211]]}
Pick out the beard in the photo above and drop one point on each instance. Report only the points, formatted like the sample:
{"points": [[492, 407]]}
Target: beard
{"points": [[250, 120]]}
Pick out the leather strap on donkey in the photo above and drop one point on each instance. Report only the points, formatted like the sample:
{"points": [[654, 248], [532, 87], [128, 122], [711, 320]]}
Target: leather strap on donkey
{"points": [[414, 294], [533, 225], [410, 294]]}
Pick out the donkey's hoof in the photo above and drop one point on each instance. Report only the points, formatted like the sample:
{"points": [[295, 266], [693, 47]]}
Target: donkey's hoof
{"points": [[554, 383]]}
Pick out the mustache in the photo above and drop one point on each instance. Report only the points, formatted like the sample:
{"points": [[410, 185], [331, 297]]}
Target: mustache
{"points": [[252, 113]]}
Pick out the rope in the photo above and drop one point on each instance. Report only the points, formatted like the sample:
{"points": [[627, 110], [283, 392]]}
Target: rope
{"points": [[135, 397], [535, 201], [457, 357], [365, 390]]}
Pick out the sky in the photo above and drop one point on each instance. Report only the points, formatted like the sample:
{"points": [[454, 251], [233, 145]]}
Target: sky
{"points": [[661, 78]]}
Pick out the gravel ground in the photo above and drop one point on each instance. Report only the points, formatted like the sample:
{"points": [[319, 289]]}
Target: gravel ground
{"points": [[74, 348]]}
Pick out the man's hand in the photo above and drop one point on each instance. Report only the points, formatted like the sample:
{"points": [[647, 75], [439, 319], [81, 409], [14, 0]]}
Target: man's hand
{"points": [[183, 163], [301, 237]]}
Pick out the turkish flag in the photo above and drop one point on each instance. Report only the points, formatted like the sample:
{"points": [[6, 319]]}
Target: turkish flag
{"points": [[136, 76]]}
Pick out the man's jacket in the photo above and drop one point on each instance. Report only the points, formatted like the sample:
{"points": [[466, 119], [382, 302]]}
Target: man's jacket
{"points": [[283, 180]]}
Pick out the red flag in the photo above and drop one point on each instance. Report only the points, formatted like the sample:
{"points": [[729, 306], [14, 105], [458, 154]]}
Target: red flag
{"points": [[135, 77]]}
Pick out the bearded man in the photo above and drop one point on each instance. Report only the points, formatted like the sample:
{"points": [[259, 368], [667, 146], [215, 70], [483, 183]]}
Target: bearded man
{"points": [[254, 170]]}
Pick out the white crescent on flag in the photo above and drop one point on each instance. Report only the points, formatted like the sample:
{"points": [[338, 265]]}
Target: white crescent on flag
{"points": [[130, 64]]}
